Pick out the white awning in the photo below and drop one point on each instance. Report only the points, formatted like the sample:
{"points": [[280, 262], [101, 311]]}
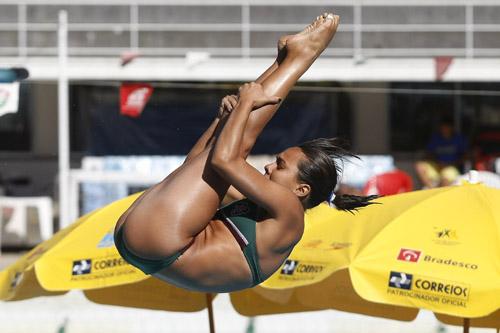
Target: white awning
{"points": [[231, 69]]}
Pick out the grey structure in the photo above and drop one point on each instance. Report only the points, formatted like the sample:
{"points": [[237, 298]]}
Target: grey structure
{"points": [[369, 28]]}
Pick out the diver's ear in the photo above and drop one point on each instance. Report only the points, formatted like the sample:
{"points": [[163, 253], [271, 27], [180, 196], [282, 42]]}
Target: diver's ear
{"points": [[302, 190]]}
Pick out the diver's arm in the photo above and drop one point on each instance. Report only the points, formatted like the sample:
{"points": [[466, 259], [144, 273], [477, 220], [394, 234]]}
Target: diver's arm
{"points": [[228, 145], [278, 201], [228, 162], [229, 142]]}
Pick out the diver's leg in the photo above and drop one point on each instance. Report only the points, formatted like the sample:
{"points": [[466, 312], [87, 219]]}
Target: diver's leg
{"points": [[302, 50], [295, 55], [208, 136]]}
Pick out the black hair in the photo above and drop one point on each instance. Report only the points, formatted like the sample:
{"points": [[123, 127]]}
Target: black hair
{"points": [[321, 170]]}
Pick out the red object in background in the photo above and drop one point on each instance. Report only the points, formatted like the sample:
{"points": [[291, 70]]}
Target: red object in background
{"points": [[486, 150], [127, 57], [133, 98], [442, 64], [392, 182]]}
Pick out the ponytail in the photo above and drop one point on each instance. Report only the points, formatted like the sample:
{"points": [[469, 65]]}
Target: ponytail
{"points": [[350, 203], [321, 168]]}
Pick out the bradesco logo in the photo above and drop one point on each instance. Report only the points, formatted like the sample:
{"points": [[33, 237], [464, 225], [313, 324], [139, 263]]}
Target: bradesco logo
{"points": [[299, 270], [450, 262], [428, 289], [409, 255]]}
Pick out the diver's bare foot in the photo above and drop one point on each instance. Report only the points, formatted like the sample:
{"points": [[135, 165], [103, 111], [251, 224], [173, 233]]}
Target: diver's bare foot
{"points": [[283, 39], [311, 41]]}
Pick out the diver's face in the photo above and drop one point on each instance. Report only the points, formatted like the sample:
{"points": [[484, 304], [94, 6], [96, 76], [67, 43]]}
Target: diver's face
{"points": [[284, 169]]}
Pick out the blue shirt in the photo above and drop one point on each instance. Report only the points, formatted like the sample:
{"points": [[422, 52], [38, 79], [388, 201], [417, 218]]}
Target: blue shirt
{"points": [[445, 150]]}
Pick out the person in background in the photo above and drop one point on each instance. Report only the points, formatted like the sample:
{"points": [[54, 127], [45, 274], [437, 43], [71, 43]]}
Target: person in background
{"points": [[446, 152]]}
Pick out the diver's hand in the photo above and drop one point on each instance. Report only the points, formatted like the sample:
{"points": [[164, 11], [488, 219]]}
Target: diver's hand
{"points": [[253, 92], [227, 104]]}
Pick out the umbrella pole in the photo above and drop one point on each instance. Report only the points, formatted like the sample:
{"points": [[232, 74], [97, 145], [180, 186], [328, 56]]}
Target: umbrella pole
{"points": [[466, 325], [210, 313]]}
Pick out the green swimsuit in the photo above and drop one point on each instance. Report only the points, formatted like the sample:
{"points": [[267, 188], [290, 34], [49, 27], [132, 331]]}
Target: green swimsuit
{"points": [[240, 218]]}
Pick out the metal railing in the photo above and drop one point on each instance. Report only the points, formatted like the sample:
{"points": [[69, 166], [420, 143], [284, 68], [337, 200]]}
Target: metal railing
{"points": [[470, 28]]}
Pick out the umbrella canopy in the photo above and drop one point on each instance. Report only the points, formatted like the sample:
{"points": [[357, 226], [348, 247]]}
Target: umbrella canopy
{"points": [[335, 292], [436, 249], [81, 256], [150, 294]]}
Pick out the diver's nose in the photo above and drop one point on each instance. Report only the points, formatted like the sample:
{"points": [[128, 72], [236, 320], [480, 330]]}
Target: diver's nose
{"points": [[267, 168]]}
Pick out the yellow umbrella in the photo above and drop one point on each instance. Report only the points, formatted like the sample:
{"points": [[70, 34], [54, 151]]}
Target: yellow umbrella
{"points": [[436, 249], [19, 280], [149, 294], [156, 295], [335, 292], [332, 241], [83, 256]]}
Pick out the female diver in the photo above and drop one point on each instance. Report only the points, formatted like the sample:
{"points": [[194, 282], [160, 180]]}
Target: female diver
{"points": [[175, 230]]}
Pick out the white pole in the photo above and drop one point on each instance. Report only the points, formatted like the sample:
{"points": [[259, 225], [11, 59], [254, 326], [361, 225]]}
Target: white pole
{"points": [[63, 120], [245, 30]]}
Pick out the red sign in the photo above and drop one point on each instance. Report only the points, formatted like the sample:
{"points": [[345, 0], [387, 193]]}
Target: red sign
{"points": [[133, 98], [409, 255]]}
